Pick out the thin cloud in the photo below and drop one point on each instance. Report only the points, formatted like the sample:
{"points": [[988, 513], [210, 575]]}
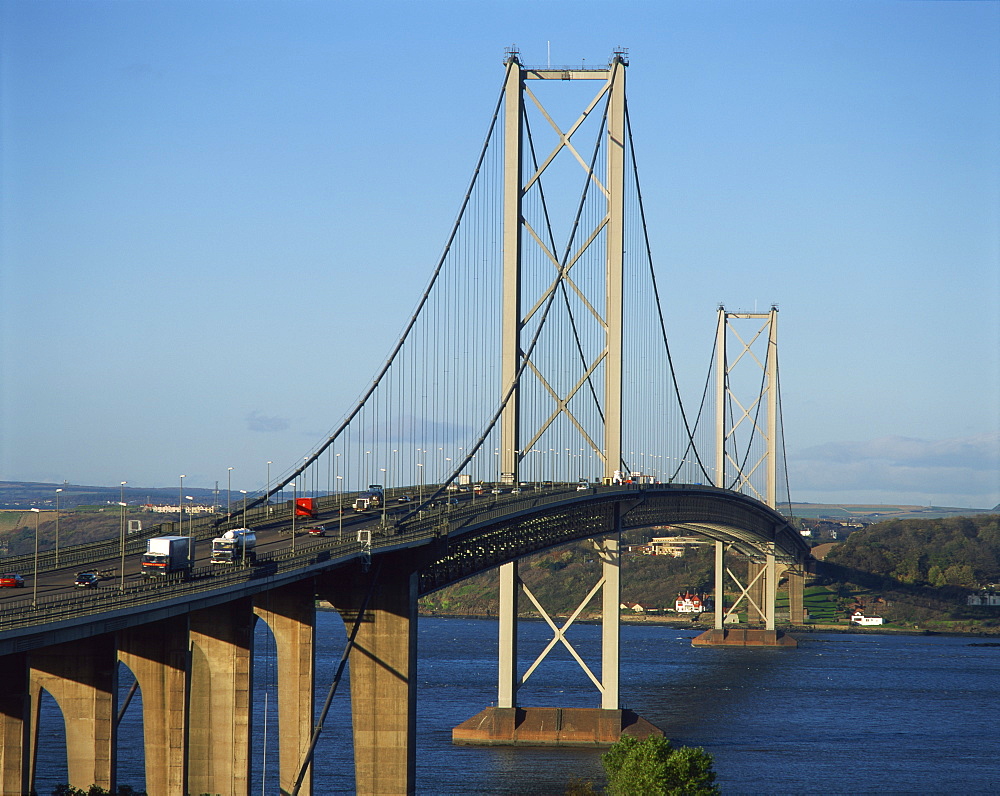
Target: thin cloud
{"points": [[925, 469], [263, 423]]}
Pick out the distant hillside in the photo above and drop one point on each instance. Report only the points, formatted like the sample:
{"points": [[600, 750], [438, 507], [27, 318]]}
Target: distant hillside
{"points": [[561, 578], [28, 494], [951, 551], [868, 512]]}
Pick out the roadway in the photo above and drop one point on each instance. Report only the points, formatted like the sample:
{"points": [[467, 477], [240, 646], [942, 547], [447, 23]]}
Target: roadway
{"points": [[273, 537]]}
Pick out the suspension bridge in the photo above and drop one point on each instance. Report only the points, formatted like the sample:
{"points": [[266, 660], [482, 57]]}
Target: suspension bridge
{"points": [[529, 401]]}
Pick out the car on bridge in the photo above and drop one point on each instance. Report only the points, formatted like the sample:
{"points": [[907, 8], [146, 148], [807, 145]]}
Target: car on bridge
{"points": [[316, 530], [87, 580], [11, 580]]}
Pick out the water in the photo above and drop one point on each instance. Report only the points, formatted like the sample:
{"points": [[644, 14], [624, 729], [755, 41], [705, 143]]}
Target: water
{"points": [[850, 714]]}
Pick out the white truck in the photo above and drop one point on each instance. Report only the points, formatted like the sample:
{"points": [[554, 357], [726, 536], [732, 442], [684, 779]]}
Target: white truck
{"points": [[235, 547], [166, 555]]}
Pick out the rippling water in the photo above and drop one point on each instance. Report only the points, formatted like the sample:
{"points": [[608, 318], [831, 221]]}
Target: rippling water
{"points": [[851, 714]]}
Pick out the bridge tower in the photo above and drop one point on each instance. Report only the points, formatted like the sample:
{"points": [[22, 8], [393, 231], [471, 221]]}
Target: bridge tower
{"points": [[517, 360], [731, 471], [516, 353], [746, 455]]}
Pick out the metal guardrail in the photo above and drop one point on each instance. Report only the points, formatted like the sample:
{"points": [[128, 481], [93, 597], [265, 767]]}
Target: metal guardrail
{"points": [[26, 612], [443, 520], [201, 528]]}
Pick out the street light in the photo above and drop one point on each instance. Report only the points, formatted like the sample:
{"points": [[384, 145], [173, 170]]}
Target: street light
{"points": [[229, 489], [121, 586], [267, 492], [34, 577], [385, 494], [121, 502], [57, 526], [340, 508], [421, 472], [180, 506], [295, 504], [244, 492], [336, 473]]}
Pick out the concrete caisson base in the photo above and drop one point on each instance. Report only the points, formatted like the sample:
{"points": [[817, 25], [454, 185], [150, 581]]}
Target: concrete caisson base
{"points": [[743, 637], [550, 727]]}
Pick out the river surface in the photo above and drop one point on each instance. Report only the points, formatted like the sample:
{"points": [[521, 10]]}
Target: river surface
{"points": [[841, 714]]}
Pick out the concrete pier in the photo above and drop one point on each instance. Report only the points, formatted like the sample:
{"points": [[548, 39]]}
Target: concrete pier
{"points": [[743, 637], [551, 727], [383, 667], [15, 706], [82, 677], [158, 657], [290, 613], [221, 659]]}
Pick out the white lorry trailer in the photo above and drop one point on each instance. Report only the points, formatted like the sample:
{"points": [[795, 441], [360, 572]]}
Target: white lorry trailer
{"points": [[166, 555]]}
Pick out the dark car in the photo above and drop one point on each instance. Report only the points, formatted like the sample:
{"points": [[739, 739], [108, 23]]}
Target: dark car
{"points": [[87, 580], [11, 580]]}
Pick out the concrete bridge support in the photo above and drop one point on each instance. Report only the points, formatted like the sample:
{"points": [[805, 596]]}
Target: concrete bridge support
{"points": [[756, 592], [510, 724], [759, 592], [14, 723], [796, 578], [221, 641], [290, 612], [383, 667], [157, 654], [82, 677]]}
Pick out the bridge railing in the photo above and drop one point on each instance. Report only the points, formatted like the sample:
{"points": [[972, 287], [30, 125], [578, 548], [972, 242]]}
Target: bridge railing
{"points": [[201, 528], [443, 520], [45, 609]]}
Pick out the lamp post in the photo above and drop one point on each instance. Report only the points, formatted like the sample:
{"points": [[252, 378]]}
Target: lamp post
{"points": [[180, 506], [420, 494], [295, 504], [267, 491], [57, 526], [121, 502], [229, 490], [337, 477], [34, 576], [385, 494], [121, 583], [340, 508], [244, 493]]}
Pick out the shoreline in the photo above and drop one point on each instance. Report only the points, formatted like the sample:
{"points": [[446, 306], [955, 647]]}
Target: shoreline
{"points": [[685, 624], [697, 626]]}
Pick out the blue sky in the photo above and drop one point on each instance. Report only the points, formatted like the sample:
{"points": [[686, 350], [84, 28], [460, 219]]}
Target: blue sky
{"points": [[202, 201]]}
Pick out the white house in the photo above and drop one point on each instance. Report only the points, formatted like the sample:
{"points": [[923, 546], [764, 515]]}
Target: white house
{"points": [[984, 598]]}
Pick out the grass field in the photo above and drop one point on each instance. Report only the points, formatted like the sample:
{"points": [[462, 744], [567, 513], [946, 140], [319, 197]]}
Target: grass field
{"points": [[819, 601]]}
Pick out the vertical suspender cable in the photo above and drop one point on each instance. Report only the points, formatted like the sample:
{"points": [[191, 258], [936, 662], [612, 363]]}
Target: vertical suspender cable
{"points": [[656, 294]]}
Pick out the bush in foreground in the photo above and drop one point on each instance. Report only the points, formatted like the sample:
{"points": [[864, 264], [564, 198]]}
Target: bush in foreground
{"points": [[652, 767]]}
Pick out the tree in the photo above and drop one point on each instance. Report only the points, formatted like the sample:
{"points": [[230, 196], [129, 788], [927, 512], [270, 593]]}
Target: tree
{"points": [[652, 767]]}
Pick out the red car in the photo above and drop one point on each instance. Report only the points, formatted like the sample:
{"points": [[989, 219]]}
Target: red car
{"points": [[10, 581]]}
